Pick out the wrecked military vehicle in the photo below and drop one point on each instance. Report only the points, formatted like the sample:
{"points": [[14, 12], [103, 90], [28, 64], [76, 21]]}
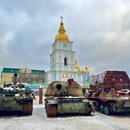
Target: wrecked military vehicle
{"points": [[111, 91], [66, 97], [16, 98]]}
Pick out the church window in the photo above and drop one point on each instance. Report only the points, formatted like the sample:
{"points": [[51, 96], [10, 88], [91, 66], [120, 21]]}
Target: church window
{"points": [[53, 62], [65, 61]]}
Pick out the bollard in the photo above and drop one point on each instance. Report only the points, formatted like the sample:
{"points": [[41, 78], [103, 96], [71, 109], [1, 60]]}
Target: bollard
{"points": [[40, 95]]}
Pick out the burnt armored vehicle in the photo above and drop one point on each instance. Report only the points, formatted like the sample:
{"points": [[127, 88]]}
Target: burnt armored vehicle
{"points": [[111, 91], [16, 98], [66, 98]]}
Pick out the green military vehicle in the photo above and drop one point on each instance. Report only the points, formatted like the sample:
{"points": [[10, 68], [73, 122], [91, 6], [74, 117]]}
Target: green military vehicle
{"points": [[14, 99], [66, 98]]}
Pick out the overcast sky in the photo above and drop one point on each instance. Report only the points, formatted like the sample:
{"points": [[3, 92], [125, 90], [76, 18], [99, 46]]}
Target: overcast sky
{"points": [[100, 30]]}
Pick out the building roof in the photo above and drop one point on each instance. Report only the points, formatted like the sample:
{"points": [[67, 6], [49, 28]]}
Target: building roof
{"points": [[38, 71], [10, 70], [17, 70]]}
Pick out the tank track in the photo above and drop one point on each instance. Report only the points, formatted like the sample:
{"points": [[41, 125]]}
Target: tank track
{"points": [[27, 107], [51, 110]]}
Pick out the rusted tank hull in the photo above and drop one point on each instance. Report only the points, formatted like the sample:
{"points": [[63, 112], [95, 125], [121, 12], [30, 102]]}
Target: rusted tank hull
{"points": [[111, 101], [13, 104], [62, 106], [111, 106]]}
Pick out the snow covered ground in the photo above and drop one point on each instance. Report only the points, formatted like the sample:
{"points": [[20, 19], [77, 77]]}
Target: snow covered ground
{"points": [[39, 121]]}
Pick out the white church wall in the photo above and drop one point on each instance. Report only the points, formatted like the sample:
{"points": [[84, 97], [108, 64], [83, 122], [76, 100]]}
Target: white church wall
{"points": [[58, 70]]}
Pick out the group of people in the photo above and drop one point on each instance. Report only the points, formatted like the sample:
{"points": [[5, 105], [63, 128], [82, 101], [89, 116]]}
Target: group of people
{"points": [[32, 94]]}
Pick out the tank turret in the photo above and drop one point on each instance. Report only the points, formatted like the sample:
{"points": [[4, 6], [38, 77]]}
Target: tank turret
{"points": [[62, 88], [66, 97]]}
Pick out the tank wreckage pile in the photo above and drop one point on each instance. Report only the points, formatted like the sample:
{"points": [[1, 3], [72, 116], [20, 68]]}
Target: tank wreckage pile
{"points": [[66, 98]]}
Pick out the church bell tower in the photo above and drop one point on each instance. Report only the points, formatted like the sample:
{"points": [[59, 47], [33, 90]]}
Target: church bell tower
{"points": [[62, 57], [63, 65]]}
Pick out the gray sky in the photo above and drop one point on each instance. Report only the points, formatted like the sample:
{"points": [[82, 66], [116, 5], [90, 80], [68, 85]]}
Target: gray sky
{"points": [[100, 30]]}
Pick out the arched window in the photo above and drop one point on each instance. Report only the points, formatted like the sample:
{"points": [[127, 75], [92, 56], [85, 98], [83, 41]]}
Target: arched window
{"points": [[65, 61]]}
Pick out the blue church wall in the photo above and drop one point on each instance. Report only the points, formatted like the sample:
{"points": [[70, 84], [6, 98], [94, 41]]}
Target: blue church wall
{"points": [[72, 76], [59, 76], [78, 77], [72, 68], [60, 67], [53, 76], [85, 77]]}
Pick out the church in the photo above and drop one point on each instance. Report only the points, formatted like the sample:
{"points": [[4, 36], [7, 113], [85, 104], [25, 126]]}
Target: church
{"points": [[63, 62]]}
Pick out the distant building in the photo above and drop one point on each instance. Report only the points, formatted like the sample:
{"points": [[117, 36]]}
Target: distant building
{"points": [[24, 75], [63, 64]]}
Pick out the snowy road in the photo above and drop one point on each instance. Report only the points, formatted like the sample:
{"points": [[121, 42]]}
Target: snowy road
{"points": [[39, 121]]}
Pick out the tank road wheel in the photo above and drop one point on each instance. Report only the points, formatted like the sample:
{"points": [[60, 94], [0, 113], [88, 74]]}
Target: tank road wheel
{"points": [[45, 105], [107, 110], [51, 110], [27, 107], [101, 109], [89, 113], [88, 109]]}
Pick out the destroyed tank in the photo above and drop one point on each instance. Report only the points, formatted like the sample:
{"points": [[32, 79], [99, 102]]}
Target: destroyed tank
{"points": [[15, 98], [111, 91], [66, 97]]}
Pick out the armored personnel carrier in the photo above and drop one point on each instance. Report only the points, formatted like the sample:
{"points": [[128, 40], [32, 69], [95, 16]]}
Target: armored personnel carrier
{"points": [[16, 99], [111, 91], [66, 98]]}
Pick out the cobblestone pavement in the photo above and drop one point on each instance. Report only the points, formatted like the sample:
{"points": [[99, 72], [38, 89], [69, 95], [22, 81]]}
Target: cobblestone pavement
{"points": [[39, 121]]}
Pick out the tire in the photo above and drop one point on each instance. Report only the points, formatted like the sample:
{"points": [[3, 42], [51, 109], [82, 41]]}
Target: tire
{"points": [[101, 109], [1, 113], [27, 107], [89, 113], [107, 110], [51, 110], [45, 105], [88, 109]]}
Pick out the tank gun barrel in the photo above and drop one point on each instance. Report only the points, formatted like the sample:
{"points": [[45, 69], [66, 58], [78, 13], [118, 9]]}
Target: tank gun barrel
{"points": [[14, 82]]}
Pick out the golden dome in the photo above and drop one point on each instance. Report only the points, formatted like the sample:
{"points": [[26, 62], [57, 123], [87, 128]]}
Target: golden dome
{"points": [[62, 36], [86, 69], [76, 66]]}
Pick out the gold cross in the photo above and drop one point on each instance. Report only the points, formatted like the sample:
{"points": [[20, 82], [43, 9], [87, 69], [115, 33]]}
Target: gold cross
{"points": [[61, 19]]}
